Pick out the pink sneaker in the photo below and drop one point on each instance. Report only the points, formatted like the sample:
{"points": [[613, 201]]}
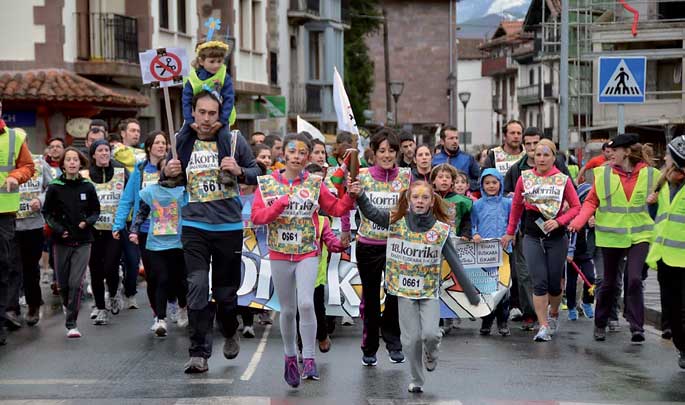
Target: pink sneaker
{"points": [[292, 371], [309, 371], [73, 333]]}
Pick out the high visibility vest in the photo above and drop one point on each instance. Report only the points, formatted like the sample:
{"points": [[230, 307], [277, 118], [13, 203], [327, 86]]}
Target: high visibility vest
{"points": [[621, 223], [214, 82], [11, 140], [669, 244]]}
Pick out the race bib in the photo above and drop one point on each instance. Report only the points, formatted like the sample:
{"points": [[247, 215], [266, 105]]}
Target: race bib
{"points": [[411, 283], [289, 236], [109, 195], [165, 219], [31, 190], [203, 173]]}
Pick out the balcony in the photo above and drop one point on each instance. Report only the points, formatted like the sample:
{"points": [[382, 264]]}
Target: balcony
{"points": [[107, 37], [498, 66], [529, 95], [305, 99], [302, 11]]}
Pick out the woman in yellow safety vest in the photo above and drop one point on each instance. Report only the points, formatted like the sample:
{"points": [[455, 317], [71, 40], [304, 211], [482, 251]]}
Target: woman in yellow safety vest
{"points": [[623, 227], [667, 253]]}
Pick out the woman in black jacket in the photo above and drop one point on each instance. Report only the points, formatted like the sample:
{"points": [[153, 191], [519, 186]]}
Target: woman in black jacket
{"points": [[71, 209]]}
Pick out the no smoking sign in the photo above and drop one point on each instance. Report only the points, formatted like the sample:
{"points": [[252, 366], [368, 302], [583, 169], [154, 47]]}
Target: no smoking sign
{"points": [[165, 67]]}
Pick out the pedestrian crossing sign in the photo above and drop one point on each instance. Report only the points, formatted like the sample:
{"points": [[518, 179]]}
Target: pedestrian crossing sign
{"points": [[622, 80]]}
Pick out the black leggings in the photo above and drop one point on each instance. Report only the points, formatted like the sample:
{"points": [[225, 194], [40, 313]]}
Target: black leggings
{"points": [[105, 256], [545, 258], [29, 248], [167, 273]]}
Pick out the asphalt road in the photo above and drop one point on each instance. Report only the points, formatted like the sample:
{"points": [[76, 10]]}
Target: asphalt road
{"points": [[124, 363]]}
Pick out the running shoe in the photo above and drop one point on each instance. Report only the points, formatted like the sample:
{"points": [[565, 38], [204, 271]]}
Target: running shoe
{"points": [[446, 326], [102, 318], [232, 346], [33, 316], [73, 333], [154, 324], [172, 311], [131, 302], [600, 334], [553, 324], [115, 304], [160, 330], [637, 338], [248, 332], [369, 361], [182, 317], [265, 318], [415, 389], [515, 315], [196, 365], [94, 313], [430, 361], [13, 320], [614, 326], [325, 345], [528, 324], [666, 334], [309, 371], [503, 329], [396, 356], [543, 335], [347, 320], [572, 314], [292, 371], [588, 311]]}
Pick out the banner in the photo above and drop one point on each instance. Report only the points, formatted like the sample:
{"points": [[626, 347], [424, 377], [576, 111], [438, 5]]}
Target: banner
{"points": [[304, 126], [343, 291]]}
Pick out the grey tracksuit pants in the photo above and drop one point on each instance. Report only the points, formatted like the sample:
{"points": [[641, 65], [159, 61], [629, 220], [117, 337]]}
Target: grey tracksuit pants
{"points": [[70, 265], [419, 319]]}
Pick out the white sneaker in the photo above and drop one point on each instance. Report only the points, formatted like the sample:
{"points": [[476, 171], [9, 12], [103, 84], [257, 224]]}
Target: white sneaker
{"points": [[94, 313], [130, 302], [102, 317], [515, 313], [182, 317], [154, 324], [543, 335], [73, 333], [347, 320], [115, 304], [172, 311], [553, 324], [160, 330], [248, 332]]}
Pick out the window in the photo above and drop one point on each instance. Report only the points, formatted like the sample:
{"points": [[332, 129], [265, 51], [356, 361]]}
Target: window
{"points": [[314, 55], [531, 77], [252, 25], [245, 31], [181, 15], [164, 14]]}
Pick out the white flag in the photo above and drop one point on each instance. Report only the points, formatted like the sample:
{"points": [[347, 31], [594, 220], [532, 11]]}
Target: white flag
{"points": [[305, 126], [343, 109]]}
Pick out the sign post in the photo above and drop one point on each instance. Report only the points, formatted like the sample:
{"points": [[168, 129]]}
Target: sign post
{"points": [[622, 81], [165, 67]]}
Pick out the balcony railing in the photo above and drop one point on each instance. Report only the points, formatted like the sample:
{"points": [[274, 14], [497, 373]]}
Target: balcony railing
{"points": [[305, 98], [498, 65], [301, 11], [529, 95], [107, 37]]}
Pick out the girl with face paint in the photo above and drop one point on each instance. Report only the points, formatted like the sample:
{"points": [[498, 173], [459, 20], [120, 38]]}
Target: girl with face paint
{"points": [[543, 192], [418, 239], [288, 202]]}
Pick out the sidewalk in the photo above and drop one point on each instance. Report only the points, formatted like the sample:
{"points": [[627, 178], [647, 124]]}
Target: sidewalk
{"points": [[652, 300]]}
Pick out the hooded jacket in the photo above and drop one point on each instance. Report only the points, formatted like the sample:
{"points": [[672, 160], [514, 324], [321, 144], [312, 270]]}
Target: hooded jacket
{"points": [[99, 174], [490, 214]]}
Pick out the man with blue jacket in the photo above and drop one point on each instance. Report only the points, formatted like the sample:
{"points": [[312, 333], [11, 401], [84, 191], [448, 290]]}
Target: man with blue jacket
{"points": [[212, 227], [452, 154]]}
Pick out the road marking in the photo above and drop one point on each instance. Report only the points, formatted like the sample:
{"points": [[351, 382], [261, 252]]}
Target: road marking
{"points": [[76, 381], [257, 356]]}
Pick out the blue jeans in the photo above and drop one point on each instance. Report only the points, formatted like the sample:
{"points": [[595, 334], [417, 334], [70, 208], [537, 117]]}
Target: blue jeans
{"points": [[131, 260]]}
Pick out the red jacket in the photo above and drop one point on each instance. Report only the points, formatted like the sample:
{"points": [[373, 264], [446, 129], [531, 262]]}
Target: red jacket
{"points": [[263, 214]]}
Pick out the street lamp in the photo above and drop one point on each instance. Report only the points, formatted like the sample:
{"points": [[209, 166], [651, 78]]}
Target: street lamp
{"points": [[465, 96], [396, 89], [451, 86]]}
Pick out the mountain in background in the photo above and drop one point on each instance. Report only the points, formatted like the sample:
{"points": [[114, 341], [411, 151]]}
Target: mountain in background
{"points": [[480, 18]]}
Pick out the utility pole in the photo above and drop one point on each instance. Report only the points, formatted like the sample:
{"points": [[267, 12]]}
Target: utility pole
{"points": [[386, 57], [563, 79]]}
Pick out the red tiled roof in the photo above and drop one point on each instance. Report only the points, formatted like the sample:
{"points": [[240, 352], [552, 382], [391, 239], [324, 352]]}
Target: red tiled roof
{"points": [[63, 85], [512, 27]]}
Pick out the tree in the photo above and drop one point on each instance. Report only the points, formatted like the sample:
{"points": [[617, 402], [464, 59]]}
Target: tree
{"points": [[359, 78]]}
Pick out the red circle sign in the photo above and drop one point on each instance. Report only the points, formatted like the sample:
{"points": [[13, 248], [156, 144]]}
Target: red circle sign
{"points": [[165, 67]]}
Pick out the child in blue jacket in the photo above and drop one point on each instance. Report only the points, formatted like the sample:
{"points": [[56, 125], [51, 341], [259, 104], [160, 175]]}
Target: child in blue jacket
{"points": [[489, 217]]}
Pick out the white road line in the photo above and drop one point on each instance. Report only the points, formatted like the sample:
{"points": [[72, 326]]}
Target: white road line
{"points": [[76, 381], [257, 356]]}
